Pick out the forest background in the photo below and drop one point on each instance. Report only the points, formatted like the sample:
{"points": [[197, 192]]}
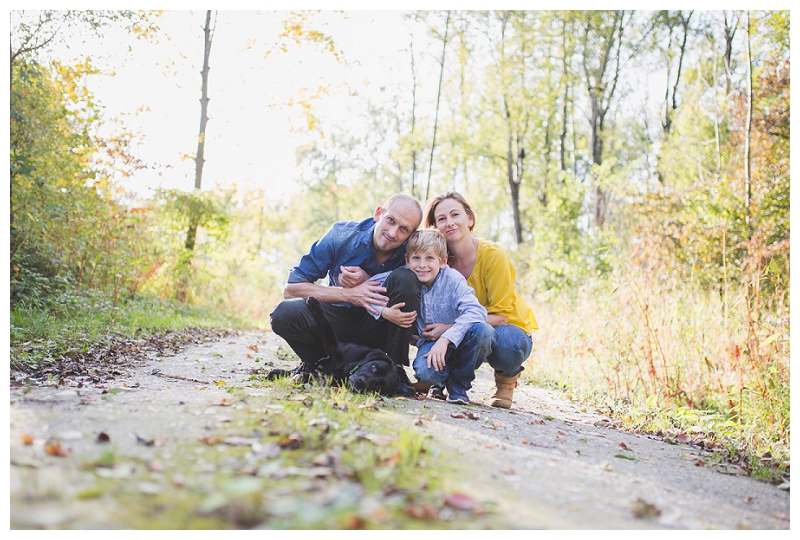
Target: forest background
{"points": [[650, 235]]}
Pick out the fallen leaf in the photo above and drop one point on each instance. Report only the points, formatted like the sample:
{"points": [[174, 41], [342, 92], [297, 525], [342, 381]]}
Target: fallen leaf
{"points": [[782, 517], [144, 440], [562, 432], [624, 456], [537, 422], [223, 403], [472, 415], [562, 440], [353, 522], [684, 438], [236, 440], [461, 501], [700, 463], [457, 415], [252, 348], [55, 449], [525, 441], [210, 440], [624, 446], [294, 441], [220, 383], [380, 440], [103, 437], [26, 438], [424, 512], [642, 509], [748, 500]]}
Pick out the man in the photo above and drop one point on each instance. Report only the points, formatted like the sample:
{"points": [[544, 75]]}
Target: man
{"points": [[351, 253]]}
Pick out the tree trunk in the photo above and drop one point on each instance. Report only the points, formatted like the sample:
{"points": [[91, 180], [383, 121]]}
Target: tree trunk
{"points": [[438, 98], [601, 93], [748, 128], [182, 291]]}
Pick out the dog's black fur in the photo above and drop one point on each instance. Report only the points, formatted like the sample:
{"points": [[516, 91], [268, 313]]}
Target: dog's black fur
{"points": [[362, 368]]}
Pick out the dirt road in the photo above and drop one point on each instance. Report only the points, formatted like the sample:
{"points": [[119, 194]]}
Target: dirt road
{"points": [[546, 464]]}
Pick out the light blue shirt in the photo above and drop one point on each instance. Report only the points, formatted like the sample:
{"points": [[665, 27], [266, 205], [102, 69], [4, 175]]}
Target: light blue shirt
{"points": [[449, 300]]}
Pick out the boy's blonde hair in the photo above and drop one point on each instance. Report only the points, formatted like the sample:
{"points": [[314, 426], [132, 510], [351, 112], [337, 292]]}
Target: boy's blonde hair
{"points": [[424, 240]]}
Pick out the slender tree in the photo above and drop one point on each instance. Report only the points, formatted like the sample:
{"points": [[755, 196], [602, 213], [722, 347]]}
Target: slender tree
{"points": [[438, 99], [191, 233]]}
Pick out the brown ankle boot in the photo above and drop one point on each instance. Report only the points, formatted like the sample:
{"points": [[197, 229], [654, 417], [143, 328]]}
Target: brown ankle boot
{"points": [[504, 392]]}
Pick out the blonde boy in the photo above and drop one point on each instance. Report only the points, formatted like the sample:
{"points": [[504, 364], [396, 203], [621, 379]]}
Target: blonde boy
{"points": [[453, 334]]}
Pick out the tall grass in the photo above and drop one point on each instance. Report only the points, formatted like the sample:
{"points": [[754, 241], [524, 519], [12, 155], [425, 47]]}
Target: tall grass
{"points": [[668, 346]]}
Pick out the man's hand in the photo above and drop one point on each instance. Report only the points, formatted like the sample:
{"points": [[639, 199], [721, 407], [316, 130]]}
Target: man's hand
{"points": [[366, 295], [402, 319], [434, 331], [436, 356], [351, 276]]}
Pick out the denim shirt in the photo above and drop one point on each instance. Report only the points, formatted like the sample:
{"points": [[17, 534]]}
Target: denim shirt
{"points": [[449, 300], [347, 243]]}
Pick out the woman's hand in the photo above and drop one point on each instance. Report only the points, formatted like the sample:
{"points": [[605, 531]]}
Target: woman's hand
{"points": [[436, 356], [497, 320], [403, 319], [434, 331]]}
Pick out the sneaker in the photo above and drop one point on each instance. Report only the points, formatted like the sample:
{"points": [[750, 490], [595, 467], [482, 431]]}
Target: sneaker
{"points": [[456, 394], [436, 392]]}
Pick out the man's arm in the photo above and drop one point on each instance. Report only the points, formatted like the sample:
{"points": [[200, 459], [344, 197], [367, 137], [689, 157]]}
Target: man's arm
{"points": [[363, 295]]}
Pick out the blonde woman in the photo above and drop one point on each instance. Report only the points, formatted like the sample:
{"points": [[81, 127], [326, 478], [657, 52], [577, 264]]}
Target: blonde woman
{"points": [[489, 271]]}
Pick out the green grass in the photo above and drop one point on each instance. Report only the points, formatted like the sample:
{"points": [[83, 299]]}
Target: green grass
{"points": [[326, 459], [664, 356], [75, 321]]}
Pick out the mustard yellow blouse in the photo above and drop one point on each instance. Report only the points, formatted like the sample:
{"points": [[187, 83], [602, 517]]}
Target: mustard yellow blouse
{"points": [[493, 282]]}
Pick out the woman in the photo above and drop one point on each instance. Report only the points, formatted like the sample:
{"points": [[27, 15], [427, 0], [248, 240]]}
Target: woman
{"points": [[490, 273]]}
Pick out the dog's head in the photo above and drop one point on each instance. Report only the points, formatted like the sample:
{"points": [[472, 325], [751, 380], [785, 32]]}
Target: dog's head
{"points": [[377, 372]]}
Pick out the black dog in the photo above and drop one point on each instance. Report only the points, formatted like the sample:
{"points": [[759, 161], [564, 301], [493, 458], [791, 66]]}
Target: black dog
{"points": [[362, 368]]}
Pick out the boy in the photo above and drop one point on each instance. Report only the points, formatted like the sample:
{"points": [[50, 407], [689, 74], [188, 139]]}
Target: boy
{"points": [[453, 334]]}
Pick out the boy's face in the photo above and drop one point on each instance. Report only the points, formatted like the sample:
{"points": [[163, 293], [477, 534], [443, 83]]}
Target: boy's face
{"points": [[426, 265]]}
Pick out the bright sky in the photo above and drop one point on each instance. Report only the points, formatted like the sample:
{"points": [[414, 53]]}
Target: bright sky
{"points": [[156, 91]]}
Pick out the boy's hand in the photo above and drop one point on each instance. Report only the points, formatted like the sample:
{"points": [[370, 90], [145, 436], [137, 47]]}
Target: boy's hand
{"points": [[435, 330], [402, 319], [351, 276], [436, 356]]}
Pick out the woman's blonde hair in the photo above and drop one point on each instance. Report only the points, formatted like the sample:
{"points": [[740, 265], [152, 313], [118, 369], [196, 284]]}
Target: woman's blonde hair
{"points": [[424, 240], [430, 207]]}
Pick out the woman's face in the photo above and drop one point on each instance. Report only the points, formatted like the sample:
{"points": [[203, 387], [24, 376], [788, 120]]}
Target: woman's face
{"points": [[452, 220]]}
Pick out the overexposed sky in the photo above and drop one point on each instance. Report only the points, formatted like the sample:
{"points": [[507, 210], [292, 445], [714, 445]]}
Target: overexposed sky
{"points": [[155, 91]]}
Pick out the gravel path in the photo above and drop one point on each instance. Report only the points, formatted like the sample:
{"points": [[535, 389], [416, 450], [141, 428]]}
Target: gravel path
{"points": [[547, 463]]}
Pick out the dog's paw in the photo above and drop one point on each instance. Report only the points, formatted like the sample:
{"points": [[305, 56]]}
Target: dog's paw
{"points": [[313, 305], [275, 373]]}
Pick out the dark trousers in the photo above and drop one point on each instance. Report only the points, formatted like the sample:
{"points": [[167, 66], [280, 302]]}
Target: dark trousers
{"points": [[292, 321]]}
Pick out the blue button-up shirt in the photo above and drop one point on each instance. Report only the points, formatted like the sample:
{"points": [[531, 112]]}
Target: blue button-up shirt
{"points": [[449, 300], [347, 243]]}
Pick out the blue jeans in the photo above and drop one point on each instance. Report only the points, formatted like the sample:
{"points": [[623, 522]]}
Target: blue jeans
{"points": [[510, 348], [460, 362]]}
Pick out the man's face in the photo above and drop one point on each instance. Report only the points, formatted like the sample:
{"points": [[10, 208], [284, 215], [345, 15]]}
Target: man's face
{"points": [[426, 265], [393, 225]]}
